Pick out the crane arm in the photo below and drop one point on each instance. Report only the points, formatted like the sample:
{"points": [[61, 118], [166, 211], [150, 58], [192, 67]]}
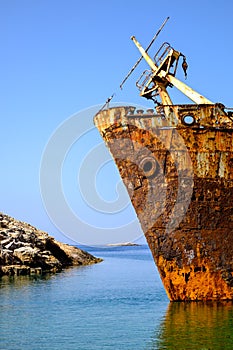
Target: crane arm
{"points": [[188, 91], [166, 100]]}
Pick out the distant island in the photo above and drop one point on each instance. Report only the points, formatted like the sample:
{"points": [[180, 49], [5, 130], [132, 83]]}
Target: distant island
{"points": [[127, 244], [25, 250]]}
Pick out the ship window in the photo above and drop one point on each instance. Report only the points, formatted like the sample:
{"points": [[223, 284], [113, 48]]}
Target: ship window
{"points": [[150, 166], [189, 120], [147, 166]]}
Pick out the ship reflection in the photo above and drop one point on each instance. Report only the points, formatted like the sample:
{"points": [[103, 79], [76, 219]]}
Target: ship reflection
{"points": [[195, 326]]}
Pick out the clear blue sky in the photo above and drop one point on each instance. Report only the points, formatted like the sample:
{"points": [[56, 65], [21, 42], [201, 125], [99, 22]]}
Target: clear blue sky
{"points": [[60, 57]]}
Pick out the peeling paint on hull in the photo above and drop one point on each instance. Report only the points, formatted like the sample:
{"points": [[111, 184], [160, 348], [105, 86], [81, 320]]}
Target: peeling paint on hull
{"points": [[180, 181]]}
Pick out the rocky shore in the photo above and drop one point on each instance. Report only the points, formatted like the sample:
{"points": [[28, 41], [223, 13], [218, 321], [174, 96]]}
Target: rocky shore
{"points": [[25, 250]]}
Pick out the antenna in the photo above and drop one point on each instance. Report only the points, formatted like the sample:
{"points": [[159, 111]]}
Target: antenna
{"points": [[139, 60]]}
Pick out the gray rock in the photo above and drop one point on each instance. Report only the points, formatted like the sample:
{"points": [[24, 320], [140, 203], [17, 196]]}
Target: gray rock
{"points": [[27, 250]]}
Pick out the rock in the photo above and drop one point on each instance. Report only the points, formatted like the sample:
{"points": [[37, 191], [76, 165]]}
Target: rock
{"points": [[126, 244], [27, 250]]}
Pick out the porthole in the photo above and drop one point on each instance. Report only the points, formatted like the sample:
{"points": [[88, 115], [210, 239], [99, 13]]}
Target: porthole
{"points": [[149, 166], [189, 120]]}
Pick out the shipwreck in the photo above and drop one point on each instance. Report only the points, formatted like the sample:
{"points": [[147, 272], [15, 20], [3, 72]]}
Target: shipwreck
{"points": [[176, 162]]}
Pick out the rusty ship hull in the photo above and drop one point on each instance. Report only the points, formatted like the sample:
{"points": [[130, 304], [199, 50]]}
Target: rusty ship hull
{"points": [[180, 181]]}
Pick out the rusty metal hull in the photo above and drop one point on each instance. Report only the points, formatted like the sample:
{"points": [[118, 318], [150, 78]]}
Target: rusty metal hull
{"points": [[180, 181]]}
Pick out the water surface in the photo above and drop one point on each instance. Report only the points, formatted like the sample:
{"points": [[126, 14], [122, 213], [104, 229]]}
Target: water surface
{"points": [[117, 304]]}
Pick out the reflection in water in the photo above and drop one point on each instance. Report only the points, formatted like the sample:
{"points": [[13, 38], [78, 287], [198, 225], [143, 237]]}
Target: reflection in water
{"points": [[13, 283], [17, 282], [196, 325]]}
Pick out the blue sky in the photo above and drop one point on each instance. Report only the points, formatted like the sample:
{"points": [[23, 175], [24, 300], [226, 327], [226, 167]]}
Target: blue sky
{"points": [[61, 57]]}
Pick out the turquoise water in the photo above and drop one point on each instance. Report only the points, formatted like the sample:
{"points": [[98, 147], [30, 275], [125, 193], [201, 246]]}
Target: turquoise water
{"points": [[117, 304]]}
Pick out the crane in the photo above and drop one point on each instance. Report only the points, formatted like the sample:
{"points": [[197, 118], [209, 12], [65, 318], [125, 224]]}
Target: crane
{"points": [[162, 75]]}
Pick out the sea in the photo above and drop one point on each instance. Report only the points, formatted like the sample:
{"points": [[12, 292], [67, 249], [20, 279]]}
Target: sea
{"points": [[119, 303]]}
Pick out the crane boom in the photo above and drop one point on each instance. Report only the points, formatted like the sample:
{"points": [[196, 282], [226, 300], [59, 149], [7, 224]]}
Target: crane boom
{"points": [[188, 91], [166, 100]]}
